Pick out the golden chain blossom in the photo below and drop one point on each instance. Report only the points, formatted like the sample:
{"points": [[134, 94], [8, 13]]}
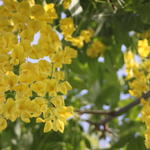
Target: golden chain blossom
{"points": [[96, 49], [68, 28], [66, 3], [32, 90], [138, 73]]}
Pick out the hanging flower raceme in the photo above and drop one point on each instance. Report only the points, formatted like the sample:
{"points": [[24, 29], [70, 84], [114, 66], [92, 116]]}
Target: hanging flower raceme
{"points": [[31, 89], [67, 27], [96, 49], [138, 74]]}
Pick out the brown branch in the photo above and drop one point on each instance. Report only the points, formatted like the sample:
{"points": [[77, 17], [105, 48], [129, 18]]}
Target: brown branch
{"points": [[112, 114], [124, 109], [112, 5], [94, 112]]}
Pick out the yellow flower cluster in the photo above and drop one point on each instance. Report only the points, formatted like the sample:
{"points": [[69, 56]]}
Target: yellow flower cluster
{"points": [[130, 63], [67, 27], [143, 48], [32, 90], [66, 3], [96, 49], [139, 77], [138, 72]]}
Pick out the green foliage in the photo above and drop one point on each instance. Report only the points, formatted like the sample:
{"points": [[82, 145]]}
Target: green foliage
{"points": [[10, 94], [16, 69], [111, 22]]}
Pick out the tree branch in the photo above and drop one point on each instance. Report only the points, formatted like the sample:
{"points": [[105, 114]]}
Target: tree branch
{"points": [[94, 112], [112, 5], [124, 109], [112, 114]]}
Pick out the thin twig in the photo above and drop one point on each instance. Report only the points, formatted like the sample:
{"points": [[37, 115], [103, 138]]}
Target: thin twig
{"points": [[112, 5]]}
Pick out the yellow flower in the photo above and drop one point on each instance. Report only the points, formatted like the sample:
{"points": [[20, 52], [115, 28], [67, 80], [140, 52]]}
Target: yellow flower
{"points": [[59, 75], [19, 20], [87, 34], [143, 48], [76, 41], [130, 63], [25, 116], [2, 100], [96, 49], [37, 11], [69, 53], [58, 59], [27, 35], [31, 2], [139, 85], [22, 105], [3, 123], [29, 72], [41, 103], [65, 112], [3, 84], [48, 126], [67, 26], [64, 87], [18, 55], [24, 8], [51, 86], [22, 90], [10, 80], [59, 125], [39, 120], [51, 12], [9, 110], [35, 25], [58, 101], [66, 3], [39, 87], [10, 4], [45, 66]]}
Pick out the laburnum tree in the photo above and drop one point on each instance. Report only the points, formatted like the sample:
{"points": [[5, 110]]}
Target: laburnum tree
{"points": [[74, 74]]}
